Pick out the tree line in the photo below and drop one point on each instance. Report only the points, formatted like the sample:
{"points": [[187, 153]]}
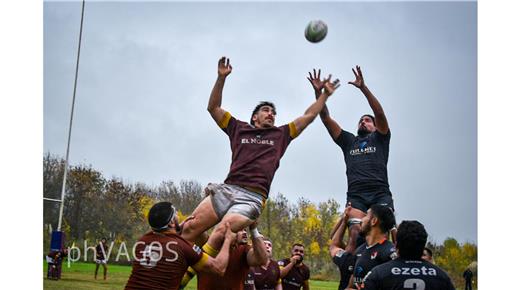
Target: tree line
{"points": [[96, 206]]}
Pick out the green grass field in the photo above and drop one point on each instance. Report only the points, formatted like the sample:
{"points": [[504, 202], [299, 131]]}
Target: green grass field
{"points": [[80, 276]]}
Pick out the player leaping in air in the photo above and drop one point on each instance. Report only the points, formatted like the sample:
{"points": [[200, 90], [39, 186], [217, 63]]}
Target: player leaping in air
{"points": [[366, 156], [257, 148]]}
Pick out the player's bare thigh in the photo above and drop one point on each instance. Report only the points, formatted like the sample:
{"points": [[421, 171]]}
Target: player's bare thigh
{"points": [[356, 213], [204, 217], [236, 221]]}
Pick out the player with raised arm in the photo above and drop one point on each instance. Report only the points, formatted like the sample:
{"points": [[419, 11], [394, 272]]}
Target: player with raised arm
{"points": [[242, 257], [377, 249], [365, 155], [343, 259], [162, 255], [266, 276], [409, 270], [294, 273], [257, 148]]}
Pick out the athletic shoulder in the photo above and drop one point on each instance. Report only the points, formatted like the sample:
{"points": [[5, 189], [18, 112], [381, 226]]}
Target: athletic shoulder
{"points": [[360, 249], [381, 136], [390, 249]]}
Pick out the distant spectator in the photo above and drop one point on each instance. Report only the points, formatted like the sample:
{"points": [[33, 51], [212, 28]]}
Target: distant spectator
{"points": [[428, 255], [468, 276], [101, 258], [54, 259]]}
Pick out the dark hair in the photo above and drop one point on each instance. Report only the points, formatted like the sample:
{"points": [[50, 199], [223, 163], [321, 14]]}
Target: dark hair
{"points": [[429, 251], [385, 215], [160, 215], [297, 244], [257, 108], [370, 116], [411, 239]]}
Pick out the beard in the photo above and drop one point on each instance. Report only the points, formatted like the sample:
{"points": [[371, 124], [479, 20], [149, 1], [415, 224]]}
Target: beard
{"points": [[362, 131], [364, 230]]}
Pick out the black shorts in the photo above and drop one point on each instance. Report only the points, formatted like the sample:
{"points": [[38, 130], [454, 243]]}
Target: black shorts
{"points": [[363, 201]]}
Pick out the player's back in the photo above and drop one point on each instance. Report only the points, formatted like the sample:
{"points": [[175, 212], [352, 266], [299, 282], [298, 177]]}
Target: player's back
{"points": [[407, 274], [161, 260]]}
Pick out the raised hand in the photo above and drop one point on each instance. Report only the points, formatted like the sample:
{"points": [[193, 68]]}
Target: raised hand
{"points": [[359, 82], [295, 259], [315, 81], [330, 87], [224, 68], [346, 213]]}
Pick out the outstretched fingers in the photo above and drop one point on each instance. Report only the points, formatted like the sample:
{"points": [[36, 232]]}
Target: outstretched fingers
{"points": [[360, 73], [328, 78], [336, 83], [355, 74]]}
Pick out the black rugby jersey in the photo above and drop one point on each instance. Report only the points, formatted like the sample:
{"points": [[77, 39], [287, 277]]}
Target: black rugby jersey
{"points": [[369, 257], [407, 274], [366, 160]]}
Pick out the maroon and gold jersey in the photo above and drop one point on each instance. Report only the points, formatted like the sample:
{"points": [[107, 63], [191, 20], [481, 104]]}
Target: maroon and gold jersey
{"points": [[161, 259], [266, 279], [256, 152], [235, 275], [296, 276]]}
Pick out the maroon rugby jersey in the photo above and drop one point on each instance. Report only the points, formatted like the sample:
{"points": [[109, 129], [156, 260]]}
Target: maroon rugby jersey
{"points": [[296, 276], [161, 259], [266, 279], [234, 276], [256, 152], [249, 283]]}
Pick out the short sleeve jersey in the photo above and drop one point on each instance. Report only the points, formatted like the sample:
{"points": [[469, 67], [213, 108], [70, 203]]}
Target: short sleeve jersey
{"points": [[345, 263], [366, 159], [266, 279], [234, 276], [369, 257], [256, 152], [296, 276], [407, 274], [161, 261]]}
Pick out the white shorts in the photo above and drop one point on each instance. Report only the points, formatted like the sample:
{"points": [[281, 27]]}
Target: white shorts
{"points": [[101, 261], [235, 199]]}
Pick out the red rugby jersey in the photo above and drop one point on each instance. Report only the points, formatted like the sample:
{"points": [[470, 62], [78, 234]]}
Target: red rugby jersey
{"points": [[234, 276], [161, 259], [256, 152]]}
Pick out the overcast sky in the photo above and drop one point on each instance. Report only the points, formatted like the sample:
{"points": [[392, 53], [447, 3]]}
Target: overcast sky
{"points": [[147, 69]]}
